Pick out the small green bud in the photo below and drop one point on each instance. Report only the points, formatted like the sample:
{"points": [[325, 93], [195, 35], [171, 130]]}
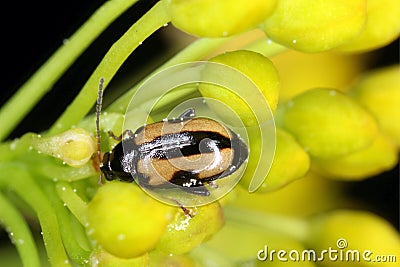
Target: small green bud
{"points": [[185, 232], [256, 67], [101, 258], [291, 162], [316, 25], [75, 147], [379, 92], [209, 18], [327, 123], [346, 230], [381, 155], [383, 27], [125, 221]]}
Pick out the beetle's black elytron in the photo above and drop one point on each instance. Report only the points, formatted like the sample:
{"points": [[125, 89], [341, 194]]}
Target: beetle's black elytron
{"points": [[187, 152]]}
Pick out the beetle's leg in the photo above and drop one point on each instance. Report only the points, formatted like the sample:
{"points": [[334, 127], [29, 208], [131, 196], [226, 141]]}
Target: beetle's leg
{"points": [[200, 190], [187, 114], [185, 210], [113, 136], [129, 133], [190, 183], [120, 137], [213, 184]]}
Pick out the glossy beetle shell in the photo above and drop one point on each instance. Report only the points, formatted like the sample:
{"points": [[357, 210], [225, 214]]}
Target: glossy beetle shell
{"points": [[187, 152]]}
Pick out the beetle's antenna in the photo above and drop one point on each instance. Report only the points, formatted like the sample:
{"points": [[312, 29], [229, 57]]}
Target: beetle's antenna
{"points": [[98, 111]]}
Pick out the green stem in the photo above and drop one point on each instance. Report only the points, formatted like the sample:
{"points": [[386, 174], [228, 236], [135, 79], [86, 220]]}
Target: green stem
{"points": [[74, 249], [42, 81], [266, 47], [19, 232], [76, 205], [18, 179], [10, 150], [211, 258], [154, 19], [43, 165], [63, 173], [293, 227]]}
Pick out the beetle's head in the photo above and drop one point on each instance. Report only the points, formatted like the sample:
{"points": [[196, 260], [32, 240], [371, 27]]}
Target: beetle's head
{"points": [[240, 153], [105, 167]]}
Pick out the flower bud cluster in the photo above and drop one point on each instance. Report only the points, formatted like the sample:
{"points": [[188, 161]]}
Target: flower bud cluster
{"points": [[321, 131]]}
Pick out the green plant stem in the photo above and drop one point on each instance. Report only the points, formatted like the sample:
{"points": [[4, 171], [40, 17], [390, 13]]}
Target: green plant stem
{"points": [[154, 19], [18, 179], [211, 258], [10, 150], [19, 232], [76, 205], [293, 227], [266, 47], [42, 81], [75, 251], [64, 173], [43, 165]]}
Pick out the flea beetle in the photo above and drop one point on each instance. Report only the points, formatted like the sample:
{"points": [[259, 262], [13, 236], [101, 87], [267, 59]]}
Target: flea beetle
{"points": [[186, 151]]}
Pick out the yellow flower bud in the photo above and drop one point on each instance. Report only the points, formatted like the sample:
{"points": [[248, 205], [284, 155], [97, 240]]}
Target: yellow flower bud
{"points": [[354, 234], [101, 258], [125, 221], [291, 162], [327, 123], [383, 27], [316, 25], [259, 69], [185, 233], [379, 92], [381, 155], [75, 147], [209, 18]]}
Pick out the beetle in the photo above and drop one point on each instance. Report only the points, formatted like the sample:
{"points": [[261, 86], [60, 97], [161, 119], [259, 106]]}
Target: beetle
{"points": [[187, 151]]}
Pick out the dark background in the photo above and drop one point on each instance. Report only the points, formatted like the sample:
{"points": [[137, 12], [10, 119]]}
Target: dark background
{"points": [[33, 30]]}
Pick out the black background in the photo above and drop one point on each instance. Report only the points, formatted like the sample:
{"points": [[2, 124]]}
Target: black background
{"points": [[33, 30]]}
